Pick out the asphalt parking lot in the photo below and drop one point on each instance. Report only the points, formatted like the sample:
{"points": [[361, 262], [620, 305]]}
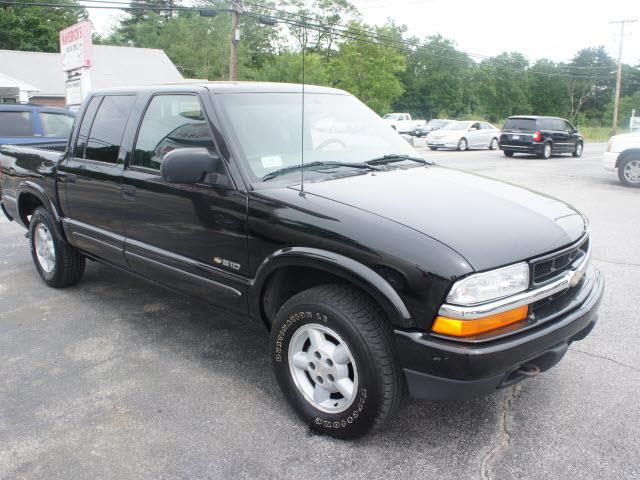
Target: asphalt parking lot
{"points": [[119, 379]]}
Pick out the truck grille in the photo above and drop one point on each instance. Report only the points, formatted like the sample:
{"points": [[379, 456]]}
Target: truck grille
{"points": [[549, 267]]}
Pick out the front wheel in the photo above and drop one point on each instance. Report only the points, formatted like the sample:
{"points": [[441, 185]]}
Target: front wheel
{"points": [[58, 263], [333, 356], [433, 148], [507, 153], [494, 144], [629, 172], [578, 151], [462, 144]]}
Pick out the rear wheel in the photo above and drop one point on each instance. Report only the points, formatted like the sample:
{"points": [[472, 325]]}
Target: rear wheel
{"points": [[629, 172], [433, 148], [462, 144], [578, 151], [494, 144], [333, 356], [507, 153], [547, 150], [58, 263]]}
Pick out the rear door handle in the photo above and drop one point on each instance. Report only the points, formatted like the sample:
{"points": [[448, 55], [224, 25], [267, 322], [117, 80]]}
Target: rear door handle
{"points": [[129, 192]]}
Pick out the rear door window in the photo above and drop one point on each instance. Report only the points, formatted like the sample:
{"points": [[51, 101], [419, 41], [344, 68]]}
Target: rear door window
{"points": [[546, 124], [520, 124], [85, 126], [108, 127], [56, 124], [16, 124]]}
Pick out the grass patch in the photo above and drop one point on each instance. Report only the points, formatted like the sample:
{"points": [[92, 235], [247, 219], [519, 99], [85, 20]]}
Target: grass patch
{"points": [[598, 134]]}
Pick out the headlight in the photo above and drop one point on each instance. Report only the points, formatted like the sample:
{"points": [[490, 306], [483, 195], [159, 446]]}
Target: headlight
{"points": [[482, 287]]}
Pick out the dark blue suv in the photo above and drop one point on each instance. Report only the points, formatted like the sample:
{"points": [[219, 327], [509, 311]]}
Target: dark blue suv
{"points": [[543, 136], [28, 123]]}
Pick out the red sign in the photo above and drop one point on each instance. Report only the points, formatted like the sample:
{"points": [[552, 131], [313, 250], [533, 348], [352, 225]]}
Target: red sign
{"points": [[75, 46]]}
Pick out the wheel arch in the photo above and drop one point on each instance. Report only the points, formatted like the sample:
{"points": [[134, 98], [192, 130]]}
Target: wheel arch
{"points": [[325, 266], [628, 153], [30, 196]]}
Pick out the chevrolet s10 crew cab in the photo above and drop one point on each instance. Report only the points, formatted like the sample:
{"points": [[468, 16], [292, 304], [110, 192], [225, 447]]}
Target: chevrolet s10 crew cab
{"points": [[375, 273]]}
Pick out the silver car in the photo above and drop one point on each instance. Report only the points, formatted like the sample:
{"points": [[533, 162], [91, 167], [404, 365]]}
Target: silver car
{"points": [[464, 135]]}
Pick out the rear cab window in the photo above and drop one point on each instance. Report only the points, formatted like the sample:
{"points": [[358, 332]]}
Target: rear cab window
{"points": [[521, 124], [16, 124], [101, 134]]}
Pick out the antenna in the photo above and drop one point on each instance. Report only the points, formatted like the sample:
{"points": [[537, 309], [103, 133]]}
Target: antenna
{"points": [[302, 44]]}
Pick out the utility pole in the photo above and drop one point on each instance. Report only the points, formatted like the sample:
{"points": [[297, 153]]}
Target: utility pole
{"points": [[616, 101], [235, 38]]}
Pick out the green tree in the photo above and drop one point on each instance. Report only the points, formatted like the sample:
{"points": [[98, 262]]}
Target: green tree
{"points": [[502, 85], [287, 67], [369, 71], [435, 79], [548, 89], [36, 28], [591, 82]]}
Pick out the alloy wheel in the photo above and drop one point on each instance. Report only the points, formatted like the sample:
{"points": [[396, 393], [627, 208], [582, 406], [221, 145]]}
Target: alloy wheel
{"points": [[45, 248], [323, 368], [631, 171]]}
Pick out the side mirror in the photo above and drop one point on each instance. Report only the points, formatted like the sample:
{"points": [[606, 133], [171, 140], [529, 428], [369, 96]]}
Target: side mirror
{"points": [[188, 165]]}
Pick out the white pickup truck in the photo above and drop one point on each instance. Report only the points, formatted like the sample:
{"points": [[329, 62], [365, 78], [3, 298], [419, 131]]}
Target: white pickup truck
{"points": [[623, 154], [402, 122]]}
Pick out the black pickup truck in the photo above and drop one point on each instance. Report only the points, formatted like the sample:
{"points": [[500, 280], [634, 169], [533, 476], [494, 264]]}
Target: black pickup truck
{"points": [[373, 269]]}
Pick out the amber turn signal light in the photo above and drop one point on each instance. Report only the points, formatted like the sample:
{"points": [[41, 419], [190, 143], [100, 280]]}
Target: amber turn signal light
{"points": [[466, 328]]}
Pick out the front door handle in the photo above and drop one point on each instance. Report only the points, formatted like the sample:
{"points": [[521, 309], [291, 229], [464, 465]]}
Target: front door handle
{"points": [[67, 177], [129, 192]]}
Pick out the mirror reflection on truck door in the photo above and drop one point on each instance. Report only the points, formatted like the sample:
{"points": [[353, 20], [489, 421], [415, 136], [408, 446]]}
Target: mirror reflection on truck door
{"points": [[159, 214]]}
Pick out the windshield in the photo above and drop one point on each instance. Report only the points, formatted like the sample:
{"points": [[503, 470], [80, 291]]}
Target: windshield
{"points": [[337, 128], [390, 116], [457, 126]]}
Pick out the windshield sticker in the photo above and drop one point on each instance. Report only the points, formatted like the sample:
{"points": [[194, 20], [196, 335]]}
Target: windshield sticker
{"points": [[272, 161]]}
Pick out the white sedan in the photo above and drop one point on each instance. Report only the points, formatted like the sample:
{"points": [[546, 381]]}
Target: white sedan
{"points": [[464, 135], [623, 155]]}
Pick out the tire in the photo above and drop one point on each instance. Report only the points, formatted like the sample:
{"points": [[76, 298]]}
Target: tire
{"points": [[433, 148], [578, 151], [629, 172], [547, 151], [462, 145], [507, 153], [344, 316], [494, 144], [58, 263]]}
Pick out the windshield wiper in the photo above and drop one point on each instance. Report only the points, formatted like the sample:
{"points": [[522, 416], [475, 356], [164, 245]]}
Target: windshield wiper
{"points": [[293, 168], [393, 158]]}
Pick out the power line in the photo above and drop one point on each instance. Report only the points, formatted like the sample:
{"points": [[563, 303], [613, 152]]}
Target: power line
{"points": [[414, 43], [349, 32]]}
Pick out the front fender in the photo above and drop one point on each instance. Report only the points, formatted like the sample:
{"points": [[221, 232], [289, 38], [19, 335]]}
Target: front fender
{"points": [[339, 265]]}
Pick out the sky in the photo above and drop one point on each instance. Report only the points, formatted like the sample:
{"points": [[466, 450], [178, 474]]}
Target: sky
{"points": [[554, 29]]}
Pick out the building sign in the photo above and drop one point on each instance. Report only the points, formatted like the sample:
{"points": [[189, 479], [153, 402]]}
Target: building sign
{"points": [[75, 46], [73, 91]]}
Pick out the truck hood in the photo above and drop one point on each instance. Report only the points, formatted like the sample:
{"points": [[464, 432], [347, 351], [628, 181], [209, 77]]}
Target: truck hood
{"points": [[488, 222]]}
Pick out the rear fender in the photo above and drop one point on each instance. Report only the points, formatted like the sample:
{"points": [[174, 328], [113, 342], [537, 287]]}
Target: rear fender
{"points": [[32, 188]]}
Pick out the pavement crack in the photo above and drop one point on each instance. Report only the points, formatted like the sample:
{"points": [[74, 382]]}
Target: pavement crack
{"points": [[595, 355], [504, 440], [617, 262]]}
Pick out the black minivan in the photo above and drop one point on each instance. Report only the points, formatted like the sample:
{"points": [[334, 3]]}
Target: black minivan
{"points": [[543, 136]]}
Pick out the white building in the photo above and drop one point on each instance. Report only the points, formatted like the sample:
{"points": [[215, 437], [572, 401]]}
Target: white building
{"points": [[38, 77]]}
